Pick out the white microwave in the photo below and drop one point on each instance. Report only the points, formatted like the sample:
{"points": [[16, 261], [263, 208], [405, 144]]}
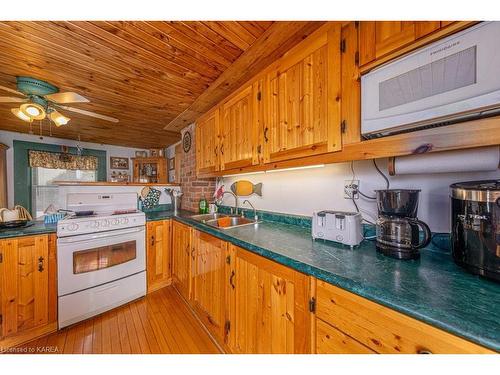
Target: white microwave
{"points": [[452, 80]]}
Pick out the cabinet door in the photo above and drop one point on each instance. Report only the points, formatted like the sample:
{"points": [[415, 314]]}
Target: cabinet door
{"points": [[268, 306], [392, 35], [380, 38], [330, 340], [158, 254], [378, 328], [304, 99], [238, 131], [207, 143], [181, 258], [208, 296], [24, 273]]}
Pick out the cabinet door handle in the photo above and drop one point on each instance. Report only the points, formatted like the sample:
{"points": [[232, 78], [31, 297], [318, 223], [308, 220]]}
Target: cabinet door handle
{"points": [[215, 150], [187, 250], [222, 149], [152, 240], [192, 253], [40, 264], [424, 351], [231, 279], [265, 134]]}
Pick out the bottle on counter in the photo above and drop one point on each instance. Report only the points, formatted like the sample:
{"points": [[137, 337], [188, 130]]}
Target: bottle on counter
{"points": [[203, 206]]}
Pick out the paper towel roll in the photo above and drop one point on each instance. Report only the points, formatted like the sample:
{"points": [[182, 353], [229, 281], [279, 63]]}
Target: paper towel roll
{"points": [[470, 160]]}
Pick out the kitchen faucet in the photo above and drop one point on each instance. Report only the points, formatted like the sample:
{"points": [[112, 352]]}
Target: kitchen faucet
{"points": [[255, 216], [235, 201]]}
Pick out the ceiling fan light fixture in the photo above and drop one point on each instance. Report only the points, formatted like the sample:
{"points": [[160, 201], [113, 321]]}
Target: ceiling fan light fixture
{"points": [[17, 112], [58, 118], [33, 110]]}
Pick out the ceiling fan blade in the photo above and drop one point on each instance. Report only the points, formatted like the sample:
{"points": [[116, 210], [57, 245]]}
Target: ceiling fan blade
{"points": [[11, 90], [66, 97], [11, 99], [88, 113]]}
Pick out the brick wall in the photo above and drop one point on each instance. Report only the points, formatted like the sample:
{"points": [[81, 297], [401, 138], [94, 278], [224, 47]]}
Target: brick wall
{"points": [[193, 189]]}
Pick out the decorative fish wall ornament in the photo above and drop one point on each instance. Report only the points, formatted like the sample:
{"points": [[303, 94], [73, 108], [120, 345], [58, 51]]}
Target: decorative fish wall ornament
{"points": [[243, 188]]}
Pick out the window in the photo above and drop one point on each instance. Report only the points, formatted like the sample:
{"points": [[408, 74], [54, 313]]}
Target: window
{"points": [[43, 190]]}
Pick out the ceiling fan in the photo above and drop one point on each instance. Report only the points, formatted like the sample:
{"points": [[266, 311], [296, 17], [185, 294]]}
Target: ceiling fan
{"points": [[41, 99]]}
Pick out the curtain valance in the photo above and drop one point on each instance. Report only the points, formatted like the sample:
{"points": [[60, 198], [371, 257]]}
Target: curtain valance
{"points": [[56, 160]]}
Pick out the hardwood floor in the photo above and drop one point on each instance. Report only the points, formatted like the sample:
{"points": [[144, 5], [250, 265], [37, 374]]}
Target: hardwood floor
{"points": [[159, 323]]}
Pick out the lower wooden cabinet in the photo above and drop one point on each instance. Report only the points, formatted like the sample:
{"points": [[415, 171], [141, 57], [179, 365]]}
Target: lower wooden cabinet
{"points": [[28, 290], [330, 340], [268, 306], [208, 295], [347, 322], [181, 258], [158, 248]]}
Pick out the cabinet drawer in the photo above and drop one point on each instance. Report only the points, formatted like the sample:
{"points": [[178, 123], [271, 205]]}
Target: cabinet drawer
{"points": [[330, 340], [382, 329]]}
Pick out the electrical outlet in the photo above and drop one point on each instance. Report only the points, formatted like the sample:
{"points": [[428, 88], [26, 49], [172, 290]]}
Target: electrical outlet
{"points": [[351, 188]]}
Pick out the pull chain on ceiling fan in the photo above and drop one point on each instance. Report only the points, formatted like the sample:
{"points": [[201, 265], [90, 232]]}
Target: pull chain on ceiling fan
{"points": [[42, 100]]}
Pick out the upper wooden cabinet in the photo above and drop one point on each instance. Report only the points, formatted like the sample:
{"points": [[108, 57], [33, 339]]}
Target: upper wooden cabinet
{"points": [[268, 306], [209, 286], [150, 170], [381, 38], [28, 289], [158, 237], [181, 258], [303, 97], [238, 131], [207, 142]]}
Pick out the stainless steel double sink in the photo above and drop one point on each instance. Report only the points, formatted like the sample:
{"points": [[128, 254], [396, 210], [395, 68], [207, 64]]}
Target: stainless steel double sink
{"points": [[223, 221]]}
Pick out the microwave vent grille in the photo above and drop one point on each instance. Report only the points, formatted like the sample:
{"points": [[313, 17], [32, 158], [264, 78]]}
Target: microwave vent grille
{"points": [[438, 77]]}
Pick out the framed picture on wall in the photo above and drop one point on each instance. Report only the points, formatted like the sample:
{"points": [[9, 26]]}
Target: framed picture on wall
{"points": [[171, 164], [118, 163]]}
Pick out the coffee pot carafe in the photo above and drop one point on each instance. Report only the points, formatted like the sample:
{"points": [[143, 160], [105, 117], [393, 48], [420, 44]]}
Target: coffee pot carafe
{"points": [[398, 233]]}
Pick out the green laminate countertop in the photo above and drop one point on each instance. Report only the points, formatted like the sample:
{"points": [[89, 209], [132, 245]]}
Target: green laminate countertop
{"points": [[432, 289], [37, 227]]}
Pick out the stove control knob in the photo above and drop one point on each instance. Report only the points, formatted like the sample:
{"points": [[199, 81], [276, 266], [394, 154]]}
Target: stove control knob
{"points": [[72, 227], [115, 222], [124, 220], [105, 223]]}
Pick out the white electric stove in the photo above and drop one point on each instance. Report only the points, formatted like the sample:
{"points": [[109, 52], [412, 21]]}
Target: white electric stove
{"points": [[101, 255]]}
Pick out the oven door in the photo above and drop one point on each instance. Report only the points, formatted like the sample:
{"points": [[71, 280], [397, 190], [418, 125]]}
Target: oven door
{"points": [[89, 260]]}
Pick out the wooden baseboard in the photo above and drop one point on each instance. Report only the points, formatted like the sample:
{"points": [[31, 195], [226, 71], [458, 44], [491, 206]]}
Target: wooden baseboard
{"points": [[26, 336], [157, 286]]}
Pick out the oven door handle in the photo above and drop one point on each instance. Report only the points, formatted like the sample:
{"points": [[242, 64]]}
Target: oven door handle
{"points": [[96, 236]]}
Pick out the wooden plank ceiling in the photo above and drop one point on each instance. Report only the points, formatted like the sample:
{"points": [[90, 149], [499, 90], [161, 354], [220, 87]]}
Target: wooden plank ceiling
{"points": [[146, 74]]}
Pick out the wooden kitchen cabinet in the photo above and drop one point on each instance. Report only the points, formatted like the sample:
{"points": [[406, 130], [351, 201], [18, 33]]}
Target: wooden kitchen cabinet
{"points": [[209, 282], [181, 258], [349, 323], [268, 306], [382, 38], [303, 98], [238, 131], [150, 170], [207, 145], [158, 237], [28, 288]]}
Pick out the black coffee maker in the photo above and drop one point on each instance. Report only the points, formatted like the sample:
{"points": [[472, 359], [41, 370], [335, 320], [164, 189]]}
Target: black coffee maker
{"points": [[398, 233]]}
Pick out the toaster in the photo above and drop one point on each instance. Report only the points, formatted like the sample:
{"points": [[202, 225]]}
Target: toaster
{"points": [[338, 226]]}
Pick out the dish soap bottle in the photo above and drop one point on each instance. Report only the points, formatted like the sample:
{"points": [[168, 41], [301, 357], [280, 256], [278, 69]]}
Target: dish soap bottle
{"points": [[203, 206]]}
